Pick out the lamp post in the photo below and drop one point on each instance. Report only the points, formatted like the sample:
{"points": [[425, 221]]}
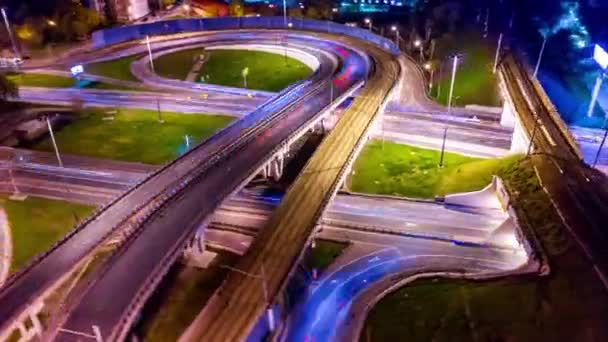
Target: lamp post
{"points": [[284, 13], [497, 53], [397, 36], [150, 53], [540, 55], [429, 67], [50, 127], [418, 44], [368, 21], [10, 32], [445, 130], [262, 277], [601, 58]]}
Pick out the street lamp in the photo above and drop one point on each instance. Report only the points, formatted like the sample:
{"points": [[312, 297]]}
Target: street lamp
{"points": [[445, 130], [10, 33], [284, 13], [262, 277], [51, 23], [368, 21], [601, 58], [397, 35], [497, 54], [542, 51], [428, 66], [186, 8], [418, 44]]}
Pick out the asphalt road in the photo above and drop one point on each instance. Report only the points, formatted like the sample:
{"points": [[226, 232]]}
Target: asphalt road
{"points": [[232, 315], [24, 288], [161, 241]]}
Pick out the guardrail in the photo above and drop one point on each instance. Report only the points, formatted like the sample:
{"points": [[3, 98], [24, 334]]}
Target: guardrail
{"points": [[103, 38]]}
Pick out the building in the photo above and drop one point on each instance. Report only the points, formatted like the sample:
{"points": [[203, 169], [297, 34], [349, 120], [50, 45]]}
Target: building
{"points": [[121, 10], [373, 6]]}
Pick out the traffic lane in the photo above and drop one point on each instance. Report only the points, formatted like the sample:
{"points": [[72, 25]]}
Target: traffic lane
{"points": [[324, 312], [456, 121], [166, 231], [17, 295], [428, 129]]}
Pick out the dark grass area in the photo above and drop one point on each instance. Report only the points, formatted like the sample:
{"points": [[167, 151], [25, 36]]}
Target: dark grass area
{"points": [[181, 297], [324, 254], [475, 83]]}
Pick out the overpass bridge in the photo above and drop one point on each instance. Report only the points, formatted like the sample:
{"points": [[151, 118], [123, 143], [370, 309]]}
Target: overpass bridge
{"points": [[264, 133]]}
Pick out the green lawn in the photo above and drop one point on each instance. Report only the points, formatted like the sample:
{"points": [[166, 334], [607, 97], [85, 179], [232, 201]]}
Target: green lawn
{"points": [[267, 71], [475, 83], [177, 65], [324, 254], [404, 170], [42, 80], [133, 135], [568, 305], [181, 298], [54, 81], [119, 69], [37, 223]]}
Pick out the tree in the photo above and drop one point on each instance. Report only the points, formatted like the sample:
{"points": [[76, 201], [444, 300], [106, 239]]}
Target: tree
{"points": [[236, 8], [77, 21], [8, 88], [319, 9], [296, 12]]}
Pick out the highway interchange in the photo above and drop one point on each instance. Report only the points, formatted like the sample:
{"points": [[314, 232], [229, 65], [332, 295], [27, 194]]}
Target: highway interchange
{"points": [[170, 197]]}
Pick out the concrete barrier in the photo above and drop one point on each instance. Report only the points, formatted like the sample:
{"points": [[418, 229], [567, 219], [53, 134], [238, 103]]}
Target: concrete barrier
{"points": [[485, 198]]}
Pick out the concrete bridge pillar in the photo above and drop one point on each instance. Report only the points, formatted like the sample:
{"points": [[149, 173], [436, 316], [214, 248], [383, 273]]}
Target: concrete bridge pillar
{"points": [[195, 253], [507, 118], [520, 140]]}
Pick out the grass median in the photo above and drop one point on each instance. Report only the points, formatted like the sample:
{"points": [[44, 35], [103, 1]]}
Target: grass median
{"points": [[42, 80], [119, 69], [37, 223], [403, 170], [133, 134], [570, 304]]}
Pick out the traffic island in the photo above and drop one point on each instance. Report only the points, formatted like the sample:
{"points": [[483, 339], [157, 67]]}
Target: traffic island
{"points": [[387, 168], [266, 71]]}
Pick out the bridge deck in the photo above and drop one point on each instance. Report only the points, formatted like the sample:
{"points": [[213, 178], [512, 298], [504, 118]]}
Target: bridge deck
{"points": [[280, 244]]}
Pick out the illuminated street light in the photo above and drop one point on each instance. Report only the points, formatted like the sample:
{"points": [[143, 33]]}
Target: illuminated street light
{"points": [[428, 66], [540, 55], [10, 33], [601, 58], [51, 23], [397, 35], [368, 21], [497, 54], [290, 25], [284, 13], [418, 44]]}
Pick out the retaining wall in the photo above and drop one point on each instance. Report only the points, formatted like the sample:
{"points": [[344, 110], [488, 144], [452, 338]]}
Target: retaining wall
{"points": [[103, 38]]}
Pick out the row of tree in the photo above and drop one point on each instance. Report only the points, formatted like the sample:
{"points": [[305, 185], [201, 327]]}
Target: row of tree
{"points": [[68, 21]]}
